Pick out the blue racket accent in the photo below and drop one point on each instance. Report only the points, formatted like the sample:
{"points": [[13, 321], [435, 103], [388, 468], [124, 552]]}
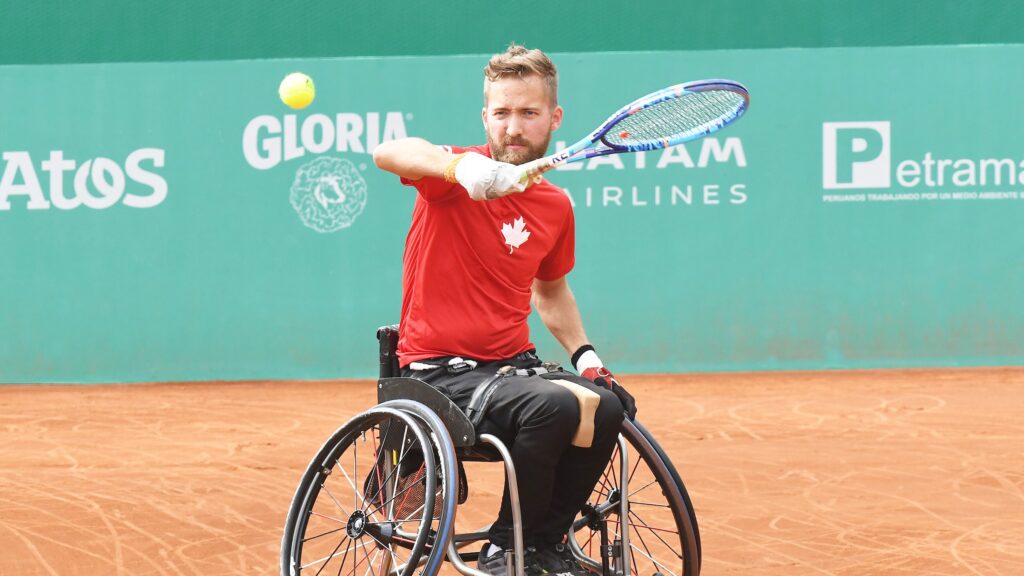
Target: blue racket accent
{"points": [[661, 119]]}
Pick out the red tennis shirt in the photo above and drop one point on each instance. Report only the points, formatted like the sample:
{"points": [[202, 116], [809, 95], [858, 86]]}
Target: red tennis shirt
{"points": [[469, 267]]}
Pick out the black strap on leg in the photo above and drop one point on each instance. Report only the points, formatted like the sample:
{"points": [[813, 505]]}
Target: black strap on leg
{"points": [[482, 395]]}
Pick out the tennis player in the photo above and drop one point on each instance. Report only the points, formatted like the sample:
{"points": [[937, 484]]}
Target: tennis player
{"points": [[482, 247]]}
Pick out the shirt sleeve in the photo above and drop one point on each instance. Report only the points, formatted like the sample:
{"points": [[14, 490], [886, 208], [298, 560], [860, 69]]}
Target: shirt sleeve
{"points": [[562, 257], [436, 189]]}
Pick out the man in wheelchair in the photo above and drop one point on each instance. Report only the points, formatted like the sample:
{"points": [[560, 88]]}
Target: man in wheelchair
{"points": [[481, 249]]}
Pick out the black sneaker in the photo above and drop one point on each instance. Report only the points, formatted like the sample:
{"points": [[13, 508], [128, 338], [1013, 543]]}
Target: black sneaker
{"points": [[495, 563], [559, 561]]}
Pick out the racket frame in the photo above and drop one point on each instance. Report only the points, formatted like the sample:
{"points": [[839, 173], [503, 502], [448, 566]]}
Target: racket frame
{"points": [[584, 148]]}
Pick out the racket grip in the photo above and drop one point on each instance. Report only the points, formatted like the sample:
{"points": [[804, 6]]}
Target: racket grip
{"points": [[533, 169]]}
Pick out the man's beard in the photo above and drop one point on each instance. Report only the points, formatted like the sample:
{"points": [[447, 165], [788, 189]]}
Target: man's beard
{"points": [[501, 153]]}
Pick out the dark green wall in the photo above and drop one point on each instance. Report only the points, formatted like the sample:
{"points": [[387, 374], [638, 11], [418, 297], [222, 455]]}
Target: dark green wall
{"points": [[66, 31]]}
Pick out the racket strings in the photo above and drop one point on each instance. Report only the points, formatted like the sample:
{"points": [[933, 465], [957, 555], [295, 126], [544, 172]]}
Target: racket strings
{"points": [[675, 118]]}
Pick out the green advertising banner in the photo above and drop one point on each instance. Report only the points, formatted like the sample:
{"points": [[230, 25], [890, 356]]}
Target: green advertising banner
{"points": [[176, 221]]}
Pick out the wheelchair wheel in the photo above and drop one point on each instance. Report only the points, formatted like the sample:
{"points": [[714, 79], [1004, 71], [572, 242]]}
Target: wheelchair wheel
{"points": [[662, 528], [379, 497]]}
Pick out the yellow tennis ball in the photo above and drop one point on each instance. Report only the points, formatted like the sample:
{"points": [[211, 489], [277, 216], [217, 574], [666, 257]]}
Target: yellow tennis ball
{"points": [[297, 90]]}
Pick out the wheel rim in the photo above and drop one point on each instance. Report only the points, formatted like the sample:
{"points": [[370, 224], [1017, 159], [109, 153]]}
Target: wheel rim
{"points": [[365, 510]]}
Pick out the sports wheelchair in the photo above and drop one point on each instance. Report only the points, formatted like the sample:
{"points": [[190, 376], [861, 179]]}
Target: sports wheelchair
{"points": [[381, 495]]}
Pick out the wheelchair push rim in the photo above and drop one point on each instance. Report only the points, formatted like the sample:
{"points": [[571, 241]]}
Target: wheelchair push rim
{"points": [[361, 505]]}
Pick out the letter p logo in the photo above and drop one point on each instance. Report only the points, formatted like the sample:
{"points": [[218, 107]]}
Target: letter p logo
{"points": [[855, 155]]}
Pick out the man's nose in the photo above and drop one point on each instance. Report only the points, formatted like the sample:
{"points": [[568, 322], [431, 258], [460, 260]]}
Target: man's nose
{"points": [[514, 127]]}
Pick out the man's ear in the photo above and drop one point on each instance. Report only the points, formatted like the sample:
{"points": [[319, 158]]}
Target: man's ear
{"points": [[556, 118]]}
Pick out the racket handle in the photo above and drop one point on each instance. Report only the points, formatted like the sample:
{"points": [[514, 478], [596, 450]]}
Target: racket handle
{"points": [[533, 169]]}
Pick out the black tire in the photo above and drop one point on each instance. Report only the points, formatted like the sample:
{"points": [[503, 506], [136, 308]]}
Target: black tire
{"points": [[356, 505], [451, 489], [663, 534], [679, 483]]}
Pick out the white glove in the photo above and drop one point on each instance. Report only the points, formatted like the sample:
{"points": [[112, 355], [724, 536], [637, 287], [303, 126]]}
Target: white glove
{"points": [[487, 179]]}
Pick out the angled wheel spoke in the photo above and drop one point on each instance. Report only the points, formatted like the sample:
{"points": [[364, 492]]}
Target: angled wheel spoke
{"points": [[648, 504], [330, 556], [641, 489], [322, 534], [655, 532], [341, 508]]}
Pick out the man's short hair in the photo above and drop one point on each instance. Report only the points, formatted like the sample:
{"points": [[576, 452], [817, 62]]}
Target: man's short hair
{"points": [[521, 62]]}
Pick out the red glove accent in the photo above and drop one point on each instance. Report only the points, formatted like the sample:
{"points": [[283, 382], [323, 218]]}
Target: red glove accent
{"points": [[604, 377]]}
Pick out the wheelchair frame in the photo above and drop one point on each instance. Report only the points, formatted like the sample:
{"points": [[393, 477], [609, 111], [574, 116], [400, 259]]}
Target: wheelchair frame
{"points": [[419, 439]]}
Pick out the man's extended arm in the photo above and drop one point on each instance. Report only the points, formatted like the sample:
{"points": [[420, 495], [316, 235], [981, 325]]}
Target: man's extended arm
{"points": [[412, 158], [415, 158]]}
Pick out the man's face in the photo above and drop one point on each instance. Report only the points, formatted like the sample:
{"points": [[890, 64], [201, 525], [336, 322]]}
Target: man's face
{"points": [[519, 118]]}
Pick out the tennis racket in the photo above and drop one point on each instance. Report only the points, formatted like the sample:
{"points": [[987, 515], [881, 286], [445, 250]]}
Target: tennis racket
{"points": [[661, 119]]}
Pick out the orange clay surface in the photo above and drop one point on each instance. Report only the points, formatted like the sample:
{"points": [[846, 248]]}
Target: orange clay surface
{"points": [[860, 473]]}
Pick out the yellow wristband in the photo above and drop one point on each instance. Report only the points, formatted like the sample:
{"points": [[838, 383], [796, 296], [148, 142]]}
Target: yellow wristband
{"points": [[449, 171]]}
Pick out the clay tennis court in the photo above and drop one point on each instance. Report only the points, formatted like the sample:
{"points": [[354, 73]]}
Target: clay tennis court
{"points": [[869, 472]]}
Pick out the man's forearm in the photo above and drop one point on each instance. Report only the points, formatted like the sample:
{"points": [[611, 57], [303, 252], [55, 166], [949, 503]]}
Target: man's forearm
{"points": [[412, 158], [558, 310], [482, 177]]}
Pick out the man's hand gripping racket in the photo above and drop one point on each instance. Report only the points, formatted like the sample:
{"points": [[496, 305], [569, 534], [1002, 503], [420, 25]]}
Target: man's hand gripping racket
{"points": [[661, 119], [484, 178]]}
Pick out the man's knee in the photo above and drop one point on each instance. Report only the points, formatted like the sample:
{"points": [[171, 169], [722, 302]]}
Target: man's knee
{"points": [[609, 415], [560, 409], [605, 420]]}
